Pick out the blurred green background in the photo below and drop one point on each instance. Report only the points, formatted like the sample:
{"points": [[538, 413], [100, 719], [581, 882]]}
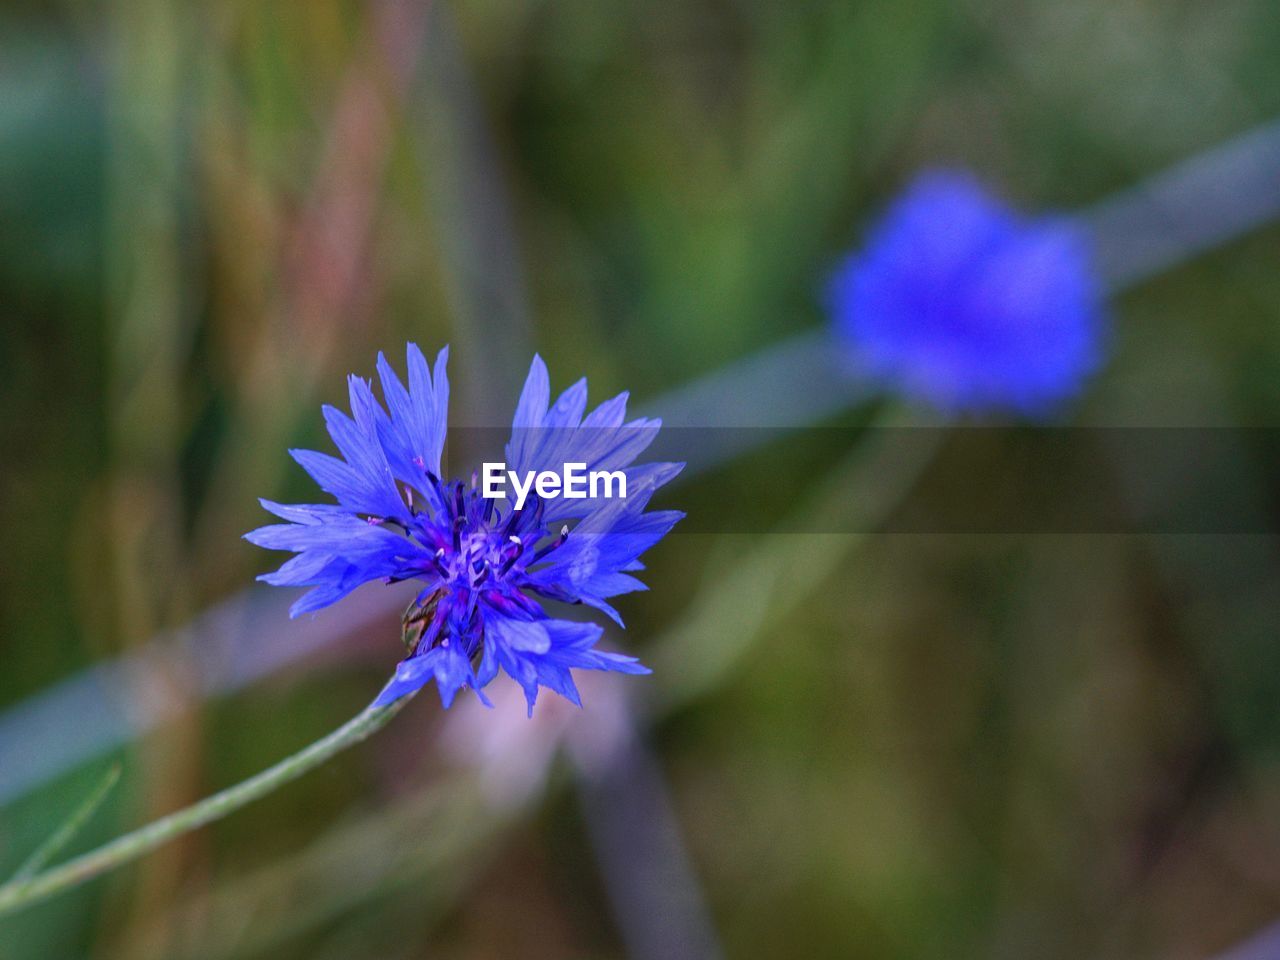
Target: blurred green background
{"points": [[874, 746]]}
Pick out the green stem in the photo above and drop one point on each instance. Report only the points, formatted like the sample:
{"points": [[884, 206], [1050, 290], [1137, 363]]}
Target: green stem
{"points": [[21, 893]]}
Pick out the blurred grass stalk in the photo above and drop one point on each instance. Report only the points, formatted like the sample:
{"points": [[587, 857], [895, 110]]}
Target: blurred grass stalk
{"points": [[149, 330], [323, 259], [1191, 208], [648, 873], [1264, 946]]}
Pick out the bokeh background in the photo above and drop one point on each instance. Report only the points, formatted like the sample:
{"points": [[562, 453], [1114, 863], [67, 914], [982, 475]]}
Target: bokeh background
{"points": [[870, 743]]}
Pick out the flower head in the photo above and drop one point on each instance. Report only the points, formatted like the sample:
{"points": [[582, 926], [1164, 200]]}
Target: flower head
{"points": [[961, 302], [487, 568]]}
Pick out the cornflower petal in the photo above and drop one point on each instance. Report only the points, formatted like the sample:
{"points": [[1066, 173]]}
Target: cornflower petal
{"points": [[484, 568], [961, 302]]}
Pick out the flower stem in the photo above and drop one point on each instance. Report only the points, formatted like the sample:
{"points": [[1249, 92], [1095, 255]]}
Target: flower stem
{"points": [[23, 892]]}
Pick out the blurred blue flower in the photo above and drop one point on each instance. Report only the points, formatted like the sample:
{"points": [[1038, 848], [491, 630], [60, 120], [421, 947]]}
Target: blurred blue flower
{"points": [[487, 568], [959, 301]]}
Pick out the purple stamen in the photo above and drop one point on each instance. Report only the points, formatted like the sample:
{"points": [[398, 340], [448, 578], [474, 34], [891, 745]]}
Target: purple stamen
{"points": [[557, 542], [438, 561]]}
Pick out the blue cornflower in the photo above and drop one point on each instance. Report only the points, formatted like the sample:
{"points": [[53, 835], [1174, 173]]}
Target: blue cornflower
{"points": [[960, 301], [486, 566]]}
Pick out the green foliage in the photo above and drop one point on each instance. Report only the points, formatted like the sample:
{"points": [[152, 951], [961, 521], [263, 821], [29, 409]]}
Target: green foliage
{"points": [[879, 746]]}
